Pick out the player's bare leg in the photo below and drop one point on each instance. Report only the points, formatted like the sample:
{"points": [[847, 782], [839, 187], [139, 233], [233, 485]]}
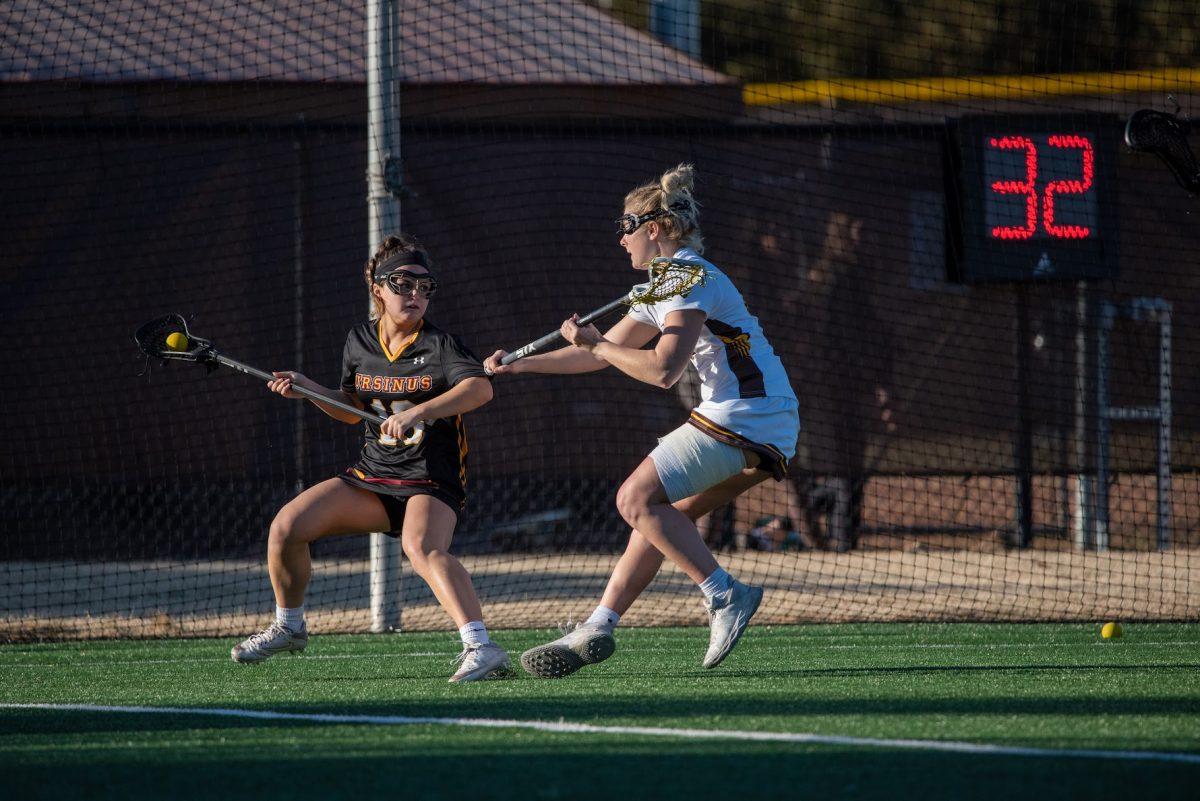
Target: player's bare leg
{"points": [[640, 562], [330, 508], [642, 501], [428, 528], [593, 641]]}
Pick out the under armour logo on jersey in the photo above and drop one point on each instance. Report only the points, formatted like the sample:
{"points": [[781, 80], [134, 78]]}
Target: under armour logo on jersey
{"points": [[418, 360]]}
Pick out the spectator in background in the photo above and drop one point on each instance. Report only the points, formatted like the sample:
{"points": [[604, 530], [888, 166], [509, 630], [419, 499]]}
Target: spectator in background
{"points": [[774, 533]]}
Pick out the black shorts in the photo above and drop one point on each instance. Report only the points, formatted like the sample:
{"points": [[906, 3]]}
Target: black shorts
{"points": [[396, 499]]}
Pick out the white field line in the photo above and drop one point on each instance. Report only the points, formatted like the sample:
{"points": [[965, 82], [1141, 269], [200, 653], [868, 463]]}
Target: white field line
{"points": [[562, 727], [95, 660]]}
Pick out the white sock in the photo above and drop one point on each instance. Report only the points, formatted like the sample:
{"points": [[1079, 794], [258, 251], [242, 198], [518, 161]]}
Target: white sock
{"points": [[603, 616], [474, 633], [290, 619], [719, 582]]}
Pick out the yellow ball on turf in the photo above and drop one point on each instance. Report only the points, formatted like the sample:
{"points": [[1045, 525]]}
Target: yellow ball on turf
{"points": [[177, 341], [1110, 631]]}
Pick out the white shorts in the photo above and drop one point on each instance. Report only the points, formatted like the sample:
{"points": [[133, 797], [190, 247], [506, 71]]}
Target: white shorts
{"points": [[689, 462]]}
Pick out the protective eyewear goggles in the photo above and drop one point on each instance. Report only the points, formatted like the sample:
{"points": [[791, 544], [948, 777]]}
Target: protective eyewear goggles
{"points": [[403, 282], [629, 223]]}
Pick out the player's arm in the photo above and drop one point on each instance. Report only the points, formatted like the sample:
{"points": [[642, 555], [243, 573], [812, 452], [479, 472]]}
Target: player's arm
{"points": [[660, 366], [571, 360], [465, 396], [286, 379]]}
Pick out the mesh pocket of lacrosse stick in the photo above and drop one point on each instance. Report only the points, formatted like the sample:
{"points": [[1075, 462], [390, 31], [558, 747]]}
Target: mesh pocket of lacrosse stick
{"points": [[158, 338], [1165, 135], [669, 278]]}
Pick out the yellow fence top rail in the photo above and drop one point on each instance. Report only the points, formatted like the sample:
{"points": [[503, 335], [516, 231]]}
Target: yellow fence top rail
{"points": [[984, 87]]}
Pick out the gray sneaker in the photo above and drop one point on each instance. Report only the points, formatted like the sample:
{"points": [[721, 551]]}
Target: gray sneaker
{"points": [[477, 662], [272, 640], [586, 645], [728, 616]]}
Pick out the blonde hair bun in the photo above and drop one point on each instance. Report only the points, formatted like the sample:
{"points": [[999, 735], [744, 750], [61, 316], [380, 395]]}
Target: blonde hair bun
{"points": [[677, 181]]}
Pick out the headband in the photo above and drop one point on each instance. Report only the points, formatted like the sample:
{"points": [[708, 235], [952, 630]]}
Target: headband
{"points": [[400, 258]]}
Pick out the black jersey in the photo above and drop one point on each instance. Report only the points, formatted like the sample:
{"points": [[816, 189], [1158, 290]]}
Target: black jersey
{"points": [[428, 364]]}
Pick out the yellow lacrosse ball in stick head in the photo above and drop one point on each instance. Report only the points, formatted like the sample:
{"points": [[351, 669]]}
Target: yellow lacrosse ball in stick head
{"points": [[177, 341]]}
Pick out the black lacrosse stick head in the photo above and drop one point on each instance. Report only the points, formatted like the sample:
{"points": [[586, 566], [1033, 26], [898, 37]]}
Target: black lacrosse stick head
{"points": [[1166, 136], [168, 337]]}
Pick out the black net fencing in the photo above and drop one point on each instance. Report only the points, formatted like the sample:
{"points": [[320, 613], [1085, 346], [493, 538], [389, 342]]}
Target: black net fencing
{"points": [[963, 269]]}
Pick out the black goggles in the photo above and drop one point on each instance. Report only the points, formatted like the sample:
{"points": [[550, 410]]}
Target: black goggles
{"points": [[629, 223], [403, 282]]}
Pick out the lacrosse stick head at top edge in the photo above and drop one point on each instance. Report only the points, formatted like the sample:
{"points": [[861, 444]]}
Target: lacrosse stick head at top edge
{"points": [[1166, 136]]}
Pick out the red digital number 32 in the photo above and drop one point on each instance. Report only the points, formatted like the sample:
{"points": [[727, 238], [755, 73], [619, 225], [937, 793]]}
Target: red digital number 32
{"points": [[1028, 187]]}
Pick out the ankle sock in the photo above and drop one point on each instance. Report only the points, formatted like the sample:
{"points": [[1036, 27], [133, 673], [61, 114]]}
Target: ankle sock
{"points": [[291, 619], [719, 582], [603, 616], [474, 633]]}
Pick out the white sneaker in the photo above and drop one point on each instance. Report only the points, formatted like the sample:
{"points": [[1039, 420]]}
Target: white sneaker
{"points": [[477, 662], [586, 645], [728, 616], [272, 640]]}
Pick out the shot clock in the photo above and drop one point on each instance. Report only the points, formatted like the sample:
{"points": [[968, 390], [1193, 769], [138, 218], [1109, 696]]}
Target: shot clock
{"points": [[1032, 198]]}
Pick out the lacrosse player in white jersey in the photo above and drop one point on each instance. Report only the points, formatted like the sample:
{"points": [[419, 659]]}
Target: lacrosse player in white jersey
{"points": [[743, 431]]}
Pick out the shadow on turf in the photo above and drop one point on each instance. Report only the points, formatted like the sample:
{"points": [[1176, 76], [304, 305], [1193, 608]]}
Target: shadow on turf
{"points": [[632, 710], [584, 769]]}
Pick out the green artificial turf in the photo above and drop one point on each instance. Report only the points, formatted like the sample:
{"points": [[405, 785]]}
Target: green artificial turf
{"points": [[1057, 687]]}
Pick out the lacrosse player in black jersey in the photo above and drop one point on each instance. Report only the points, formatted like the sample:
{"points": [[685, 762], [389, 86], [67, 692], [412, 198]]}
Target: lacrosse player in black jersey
{"points": [[410, 479]]}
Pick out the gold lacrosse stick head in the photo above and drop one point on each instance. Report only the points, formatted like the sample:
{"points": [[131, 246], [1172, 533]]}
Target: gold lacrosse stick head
{"points": [[669, 278]]}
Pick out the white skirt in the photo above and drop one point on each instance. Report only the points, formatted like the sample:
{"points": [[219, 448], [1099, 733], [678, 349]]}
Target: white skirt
{"points": [[767, 426]]}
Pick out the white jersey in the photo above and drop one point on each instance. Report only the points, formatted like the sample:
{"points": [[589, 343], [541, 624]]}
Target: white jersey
{"points": [[743, 386]]}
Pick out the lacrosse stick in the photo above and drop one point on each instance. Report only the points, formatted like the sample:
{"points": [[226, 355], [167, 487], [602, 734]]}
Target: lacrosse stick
{"points": [[669, 278], [169, 338], [1165, 135]]}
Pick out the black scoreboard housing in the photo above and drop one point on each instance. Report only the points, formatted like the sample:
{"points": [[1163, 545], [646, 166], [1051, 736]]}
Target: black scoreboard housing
{"points": [[1069, 230]]}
